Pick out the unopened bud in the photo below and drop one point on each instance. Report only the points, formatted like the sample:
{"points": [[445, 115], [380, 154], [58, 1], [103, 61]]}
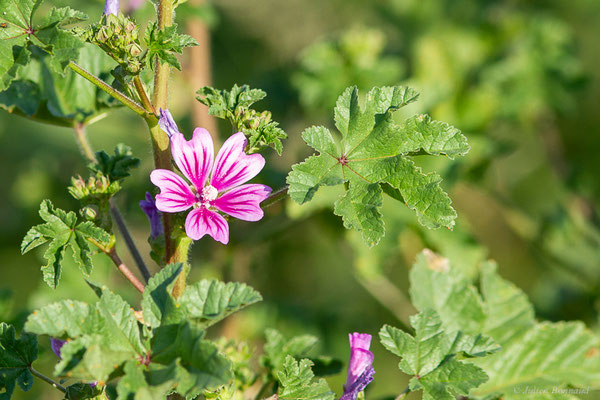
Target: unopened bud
{"points": [[90, 213], [134, 50], [103, 34]]}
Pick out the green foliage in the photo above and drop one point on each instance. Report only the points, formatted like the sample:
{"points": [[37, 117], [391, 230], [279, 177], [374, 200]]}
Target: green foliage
{"points": [[234, 105], [16, 355], [544, 355], [297, 381], [278, 348], [82, 391], [374, 153], [115, 167], [18, 34], [44, 95], [430, 356], [205, 303], [62, 230], [356, 57], [163, 43]]}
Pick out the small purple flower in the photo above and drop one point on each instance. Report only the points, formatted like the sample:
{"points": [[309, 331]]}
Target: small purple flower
{"points": [[360, 368], [111, 7], [215, 186], [148, 206], [56, 345]]}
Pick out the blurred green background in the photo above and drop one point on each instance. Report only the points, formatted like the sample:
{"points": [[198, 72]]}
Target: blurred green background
{"points": [[519, 78]]}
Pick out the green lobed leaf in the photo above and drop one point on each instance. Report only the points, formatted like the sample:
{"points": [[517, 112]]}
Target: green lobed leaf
{"points": [[209, 301], [62, 230], [115, 167], [234, 105], [47, 96], [544, 355], [163, 43], [431, 355], [453, 378], [16, 355], [278, 348], [373, 156], [135, 384], [195, 364], [82, 391], [19, 33], [297, 381], [101, 336], [158, 304]]}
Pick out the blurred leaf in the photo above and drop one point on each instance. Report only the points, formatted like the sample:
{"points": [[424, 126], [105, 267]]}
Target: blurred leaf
{"points": [[373, 150], [61, 320], [297, 381], [162, 43], [158, 304], [16, 355], [234, 105], [62, 230], [355, 58], [134, 384]]}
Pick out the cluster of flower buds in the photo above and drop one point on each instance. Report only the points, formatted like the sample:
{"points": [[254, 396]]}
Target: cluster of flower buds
{"points": [[118, 36], [247, 118], [94, 195]]}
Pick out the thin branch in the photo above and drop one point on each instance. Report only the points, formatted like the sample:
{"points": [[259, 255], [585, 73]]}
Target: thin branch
{"points": [[123, 98], [47, 380], [112, 253], [137, 257], [275, 197], [403, 394], [83, 142]]}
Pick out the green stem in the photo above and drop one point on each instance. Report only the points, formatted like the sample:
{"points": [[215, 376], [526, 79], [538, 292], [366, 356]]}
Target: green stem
{"points": [[139, 87], [83, 142], [127, 101], [275, 197], [47, 380], [181, 253], [403, 394]]}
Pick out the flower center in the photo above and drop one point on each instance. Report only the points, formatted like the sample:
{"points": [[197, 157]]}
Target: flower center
{"points": [[209, 193]]}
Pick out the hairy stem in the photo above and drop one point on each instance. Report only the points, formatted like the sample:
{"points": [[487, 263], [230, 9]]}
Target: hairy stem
{"points": [[275, 197], [141, 90], [182, 254], [112, 253], [137, 257], [83, 142], [47, 380], [123, 98]]}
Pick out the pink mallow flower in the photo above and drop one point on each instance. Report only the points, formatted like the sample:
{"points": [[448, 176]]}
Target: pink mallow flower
{"points": [[360, 367], [214, 186]]}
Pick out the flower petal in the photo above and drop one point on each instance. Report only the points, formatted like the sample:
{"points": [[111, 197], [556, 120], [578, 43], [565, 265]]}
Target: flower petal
{"points": [[201, 221], [148, 206], [194, 158], [351, 392], [167, 123], [243, 202], [175, 195], [56, 345], [233, 166], [360, 356]]}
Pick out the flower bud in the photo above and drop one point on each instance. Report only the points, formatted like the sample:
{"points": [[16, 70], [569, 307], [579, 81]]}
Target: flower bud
{"points": [[89, 213], [134, 50], [103, 34]]}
